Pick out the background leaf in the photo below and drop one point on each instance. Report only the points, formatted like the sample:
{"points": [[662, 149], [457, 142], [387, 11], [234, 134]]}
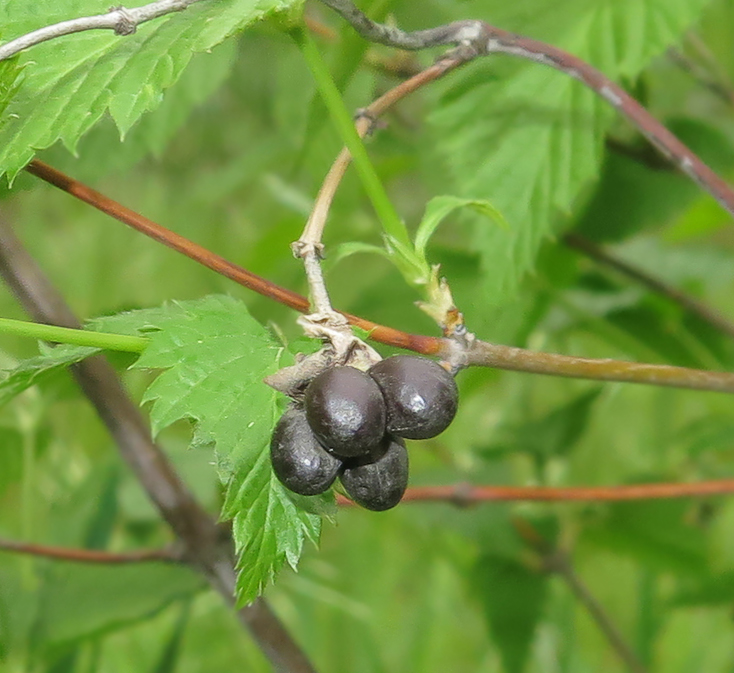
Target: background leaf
{"points": [[81, 600], [513, 598]]}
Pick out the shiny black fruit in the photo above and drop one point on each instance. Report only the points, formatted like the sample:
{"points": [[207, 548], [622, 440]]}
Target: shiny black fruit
{"points": [[378, 485], [346, 411], [420, 396], [299, 461]]}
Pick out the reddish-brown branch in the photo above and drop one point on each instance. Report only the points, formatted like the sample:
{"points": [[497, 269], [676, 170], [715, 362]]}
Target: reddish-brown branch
{"points": [[387, 335], [481, 353], [465, 495], [90, 555], [485, 39]]}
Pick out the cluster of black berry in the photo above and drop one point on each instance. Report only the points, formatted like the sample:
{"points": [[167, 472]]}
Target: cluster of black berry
{"points": [[351, 424]]}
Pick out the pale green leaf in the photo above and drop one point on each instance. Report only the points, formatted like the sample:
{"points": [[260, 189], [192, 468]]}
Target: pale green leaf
{"points": [[33, 370], [82, 600], [345, 250], [69, 83], [440, 207], [531, 141], [215, 356]]}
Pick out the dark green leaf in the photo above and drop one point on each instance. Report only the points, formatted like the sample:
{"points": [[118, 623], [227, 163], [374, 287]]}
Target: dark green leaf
{"points": [[632, 195], [81, 600], [655, 533], [172, 651], [513, 597], [708, 591]]}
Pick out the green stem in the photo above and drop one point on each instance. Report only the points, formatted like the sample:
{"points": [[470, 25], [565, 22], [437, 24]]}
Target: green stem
{"points": [[77, 337], [391, 222]]}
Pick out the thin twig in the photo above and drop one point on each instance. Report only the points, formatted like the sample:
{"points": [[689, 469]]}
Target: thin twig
{"points": [[709, 76], [558, 562], [365, 121], [90, 555], [121, 20], [481, 353], [689, 303], [466, 495], [486, 39], [207, 546], [309, 246]]}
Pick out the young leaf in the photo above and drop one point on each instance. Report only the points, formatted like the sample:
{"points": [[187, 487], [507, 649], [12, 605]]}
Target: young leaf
{"points": [[532, 141], [215, 356], [353, 248], [440, 207], [71, 82]]}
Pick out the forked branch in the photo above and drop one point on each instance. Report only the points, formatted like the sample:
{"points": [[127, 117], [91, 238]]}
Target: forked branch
{"points": [[119, 19], [485, 39]]}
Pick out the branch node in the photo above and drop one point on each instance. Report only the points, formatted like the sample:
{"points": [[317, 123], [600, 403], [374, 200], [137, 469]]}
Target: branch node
{"points": [[126, 22]]}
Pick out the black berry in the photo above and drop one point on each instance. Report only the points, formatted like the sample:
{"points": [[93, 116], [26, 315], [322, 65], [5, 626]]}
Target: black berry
{"points": [[346, 411], [299, 461], [421, 397], [378, 485]]}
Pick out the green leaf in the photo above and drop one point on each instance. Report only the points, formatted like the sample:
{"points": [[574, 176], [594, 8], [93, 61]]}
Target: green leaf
{"points": [[440, 207], [10, 81], [709, 591], [215, 356], [632, 196], [172, 651], [82, 600], [11, 457], [345, 250], [101, 150], [71, 82], [513, 597], [531, 141], [656, 533], [558, 432], [29, 372], [555, 434]]}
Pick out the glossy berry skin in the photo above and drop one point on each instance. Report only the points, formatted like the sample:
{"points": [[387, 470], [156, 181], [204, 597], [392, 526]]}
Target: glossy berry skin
{"points": [[381, 484], [299, 461], [420, 396], [346, 411]]}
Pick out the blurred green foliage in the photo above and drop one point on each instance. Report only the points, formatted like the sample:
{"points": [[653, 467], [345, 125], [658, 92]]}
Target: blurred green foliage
{"points": [[232, 158]]}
